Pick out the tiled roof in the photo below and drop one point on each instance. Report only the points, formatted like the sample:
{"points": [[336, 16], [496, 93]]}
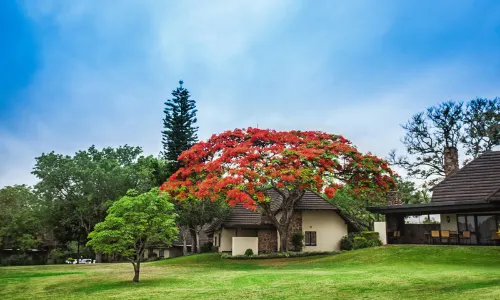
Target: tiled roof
{"points": [[477, 181], [244, 217]]}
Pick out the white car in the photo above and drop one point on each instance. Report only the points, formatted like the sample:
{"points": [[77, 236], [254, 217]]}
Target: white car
{"points": [[85, 261]]}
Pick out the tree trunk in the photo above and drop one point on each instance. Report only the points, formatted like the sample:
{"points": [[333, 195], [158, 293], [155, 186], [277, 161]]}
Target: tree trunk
{"points": [[137, 268], [198, 248], [184, 233], [98, 257], [78, 252], [284, 242], [193, 240]]}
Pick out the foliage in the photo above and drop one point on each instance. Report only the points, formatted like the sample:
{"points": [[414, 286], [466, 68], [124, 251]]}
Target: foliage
{"points": [[249, 252], [238, 166], [410, 193], [279, 255], [474, 127], [179, 132], [207, 248], [359, 240], [194, 213], [20, 217], [355, 206], [21, 260], [77, 190], [298, 241], [133, 224]]}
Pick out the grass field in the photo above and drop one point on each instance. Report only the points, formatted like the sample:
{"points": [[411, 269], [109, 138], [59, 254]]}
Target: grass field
{"points": [[394, 272]]}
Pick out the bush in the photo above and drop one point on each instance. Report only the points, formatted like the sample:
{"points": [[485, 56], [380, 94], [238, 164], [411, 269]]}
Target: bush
{"points": [[207, 247], [249, 252], [279, 255], [298, 241], [20, 260], [359, 240]]}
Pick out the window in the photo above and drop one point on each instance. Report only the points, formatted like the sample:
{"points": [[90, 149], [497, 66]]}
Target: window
{"points": [[310, 238], [161, 253], [215, 241]]}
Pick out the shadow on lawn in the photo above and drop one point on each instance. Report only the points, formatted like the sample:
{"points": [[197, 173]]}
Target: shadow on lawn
{"points": [[36, 274]]}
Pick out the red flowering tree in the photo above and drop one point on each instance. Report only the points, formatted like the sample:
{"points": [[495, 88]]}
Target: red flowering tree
{"points": [[240, 165]]}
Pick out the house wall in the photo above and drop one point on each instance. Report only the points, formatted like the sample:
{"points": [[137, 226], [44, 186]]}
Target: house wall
{"points": [[226, 239], [329, 227], [452, 225], [380, 227], [241, 244]]}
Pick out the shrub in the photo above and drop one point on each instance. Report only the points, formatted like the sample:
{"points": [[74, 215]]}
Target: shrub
{"points": [[359, 240], [279, 255], [206, 248], [298, 241], [249, 252], [19, 260]]}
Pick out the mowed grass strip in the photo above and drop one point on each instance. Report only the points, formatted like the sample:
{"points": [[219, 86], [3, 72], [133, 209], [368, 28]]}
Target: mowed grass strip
{"points": [[392, 272]]}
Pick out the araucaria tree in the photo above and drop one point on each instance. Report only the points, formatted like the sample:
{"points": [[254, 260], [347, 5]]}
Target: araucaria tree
{"points": [[240, 165], [133, 224], [179, 132]]}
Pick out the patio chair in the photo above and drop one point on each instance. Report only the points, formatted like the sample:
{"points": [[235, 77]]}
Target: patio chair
{"points": [[466, 236], [454, 236], [445, 234], [435, 235]]}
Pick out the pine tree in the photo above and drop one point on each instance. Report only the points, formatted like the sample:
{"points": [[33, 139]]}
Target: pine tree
{"points": [[179, 132]]}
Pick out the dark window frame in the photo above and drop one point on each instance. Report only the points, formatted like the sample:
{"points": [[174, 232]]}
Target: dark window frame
{"points": [[476, 233], [310, 238]]}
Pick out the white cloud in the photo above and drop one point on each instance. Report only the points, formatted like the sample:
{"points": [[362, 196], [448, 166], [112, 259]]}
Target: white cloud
{"points": [[107, 69]]}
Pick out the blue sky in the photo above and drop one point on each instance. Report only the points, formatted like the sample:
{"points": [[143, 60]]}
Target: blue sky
{"points": [[77, 73]]}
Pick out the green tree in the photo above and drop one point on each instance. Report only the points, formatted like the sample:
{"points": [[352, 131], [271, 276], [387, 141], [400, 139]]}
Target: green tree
{"points": [[179, 132], [410, 193], [194, 213], [133, 224], [77, 190], [20, 224]]}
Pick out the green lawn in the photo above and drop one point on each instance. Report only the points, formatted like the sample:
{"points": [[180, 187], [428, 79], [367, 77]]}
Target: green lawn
{"points": [[394, 272]]}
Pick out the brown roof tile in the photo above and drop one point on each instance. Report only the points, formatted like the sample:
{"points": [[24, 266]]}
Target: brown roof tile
{"points": [[477, 181]]}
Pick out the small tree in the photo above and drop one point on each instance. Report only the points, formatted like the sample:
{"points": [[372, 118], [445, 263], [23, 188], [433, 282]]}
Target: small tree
{"points": [[240, 165], [133, 224]]}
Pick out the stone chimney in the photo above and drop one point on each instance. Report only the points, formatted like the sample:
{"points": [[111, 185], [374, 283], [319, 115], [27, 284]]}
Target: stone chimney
{"points": [[450, 161], [394, 198]]}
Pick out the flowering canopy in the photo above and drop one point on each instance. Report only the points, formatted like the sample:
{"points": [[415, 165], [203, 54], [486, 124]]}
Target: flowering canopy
{"points": [[240, 165]]}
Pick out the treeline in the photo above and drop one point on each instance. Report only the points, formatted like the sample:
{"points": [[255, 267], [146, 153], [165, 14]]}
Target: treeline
{"points": [[74, 192]]}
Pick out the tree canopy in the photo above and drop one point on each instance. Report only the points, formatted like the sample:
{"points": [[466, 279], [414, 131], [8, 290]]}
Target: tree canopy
{"points": [[240, 165], [20, 224], [133, 224], [77, 190], [473, 127]]}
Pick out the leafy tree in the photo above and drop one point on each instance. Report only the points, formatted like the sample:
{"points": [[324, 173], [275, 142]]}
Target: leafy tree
{"points": [[77, 190], [194, 213], [481, 126], [20, 217], [355, 206], [179, 132], [410, 193], [133, 224], [449, 125], [240, 165]]}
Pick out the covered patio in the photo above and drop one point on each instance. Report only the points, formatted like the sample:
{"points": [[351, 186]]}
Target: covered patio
{"points": [[462, 223]]}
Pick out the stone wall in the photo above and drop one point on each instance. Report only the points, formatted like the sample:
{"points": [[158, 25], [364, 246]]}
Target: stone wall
{"points": [[295, 226], [451, 165], [268, 240]]}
